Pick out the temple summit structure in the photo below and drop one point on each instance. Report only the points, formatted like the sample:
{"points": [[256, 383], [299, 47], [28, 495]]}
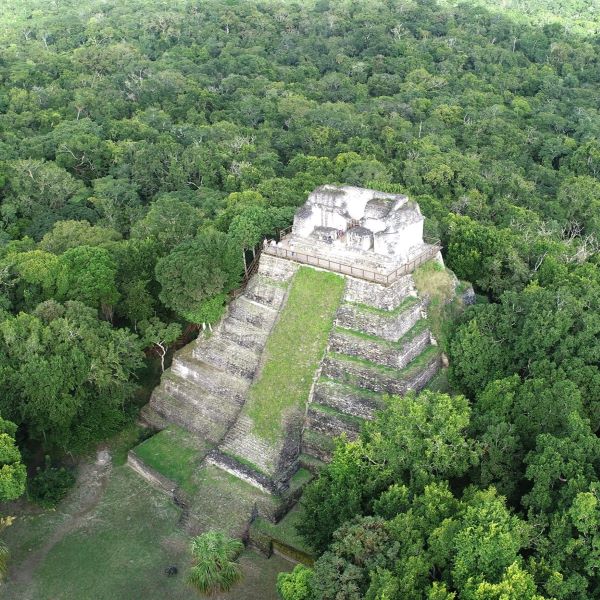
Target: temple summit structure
{"points": [[359, 232]]}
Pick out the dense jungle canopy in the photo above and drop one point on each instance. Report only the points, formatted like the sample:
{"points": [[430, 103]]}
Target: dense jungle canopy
{"points": [[146, 145]]}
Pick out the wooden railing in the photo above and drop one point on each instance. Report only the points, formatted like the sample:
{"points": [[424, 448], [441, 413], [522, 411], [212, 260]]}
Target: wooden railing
{"points": [[353, 271]]}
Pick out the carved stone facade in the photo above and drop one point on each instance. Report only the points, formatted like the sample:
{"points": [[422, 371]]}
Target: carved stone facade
{"points": [[362, 220]]}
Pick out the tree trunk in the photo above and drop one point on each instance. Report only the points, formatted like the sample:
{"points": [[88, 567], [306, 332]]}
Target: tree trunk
{"points": [[162, 351]]}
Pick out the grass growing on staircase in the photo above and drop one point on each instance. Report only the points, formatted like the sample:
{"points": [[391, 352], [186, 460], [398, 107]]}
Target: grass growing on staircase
{"points": [[294, 350]]}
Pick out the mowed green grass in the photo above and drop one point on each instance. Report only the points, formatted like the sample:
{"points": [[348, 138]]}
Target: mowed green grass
{"points": [[121, 550], [294, 349], [174, 453]]}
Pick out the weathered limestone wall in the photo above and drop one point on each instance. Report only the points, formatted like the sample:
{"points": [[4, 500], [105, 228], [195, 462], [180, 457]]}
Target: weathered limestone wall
{"points": [[381, 353], [377, 295], [371, 378], [276, 268], [260, 289], [390, 326], [332, 424], [346, 400]]}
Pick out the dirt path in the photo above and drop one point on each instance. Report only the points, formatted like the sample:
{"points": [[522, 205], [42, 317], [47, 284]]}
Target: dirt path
{"points": [[91, 482]]}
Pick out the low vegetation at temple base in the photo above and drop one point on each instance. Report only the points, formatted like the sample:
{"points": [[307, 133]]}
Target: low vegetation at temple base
{"points": [[214, 568]]}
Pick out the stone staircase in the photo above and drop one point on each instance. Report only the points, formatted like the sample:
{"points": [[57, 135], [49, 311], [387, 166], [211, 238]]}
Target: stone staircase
{"points": [[207, 383], [380, 344]]}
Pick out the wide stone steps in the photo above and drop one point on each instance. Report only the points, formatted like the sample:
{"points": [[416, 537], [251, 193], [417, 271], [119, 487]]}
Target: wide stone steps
{"points": [[207, 376], [242, 442], [249, 311], [186, 390], [243, 334], [276, 268], [266, 291], [227, 355], [210, 420]]}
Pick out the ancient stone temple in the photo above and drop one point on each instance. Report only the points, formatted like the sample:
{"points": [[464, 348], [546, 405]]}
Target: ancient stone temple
{"points": [[363, 223], [359, 232], [378, 341]]}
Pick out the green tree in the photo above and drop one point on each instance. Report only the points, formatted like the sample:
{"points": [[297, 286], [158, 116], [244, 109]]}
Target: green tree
{"points": [[296, 585], [12, 470], [65, 374], [87, 274], [422, 438], [159, 335], [118, 203], [70, 234], [170, 222], [196, 271]]}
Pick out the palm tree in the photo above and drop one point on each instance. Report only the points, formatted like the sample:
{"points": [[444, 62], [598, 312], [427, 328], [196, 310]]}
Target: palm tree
{"points": [[215, 569]]}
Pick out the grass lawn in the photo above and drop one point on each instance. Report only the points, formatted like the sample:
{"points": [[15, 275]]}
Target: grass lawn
{"points": [[294, 349], [174, 453], [120, 551]]}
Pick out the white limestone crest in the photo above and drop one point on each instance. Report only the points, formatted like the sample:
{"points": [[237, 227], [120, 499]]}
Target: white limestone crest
{"points": [[361, 219], [359, 232]]}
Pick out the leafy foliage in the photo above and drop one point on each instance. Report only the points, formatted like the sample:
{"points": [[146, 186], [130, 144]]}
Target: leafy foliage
{"points": [[50, 484], [146, 148], [214, 569]]}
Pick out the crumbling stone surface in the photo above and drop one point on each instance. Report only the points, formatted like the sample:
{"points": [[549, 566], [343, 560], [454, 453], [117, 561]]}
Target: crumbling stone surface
{"points": [[244, 334], [468, 296], [374, 379], [276, 268], [390, 327], [377, 295], [330, 423], [227, 355], [379, 352], [347, 400], [261, 289], [320, 447], [207, 384]]}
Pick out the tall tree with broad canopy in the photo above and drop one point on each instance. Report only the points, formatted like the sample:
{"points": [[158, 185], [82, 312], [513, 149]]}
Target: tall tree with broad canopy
{"points": [[198, 270]]}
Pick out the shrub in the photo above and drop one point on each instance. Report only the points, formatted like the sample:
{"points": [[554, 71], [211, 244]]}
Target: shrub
{"points": [[50, 485]]}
